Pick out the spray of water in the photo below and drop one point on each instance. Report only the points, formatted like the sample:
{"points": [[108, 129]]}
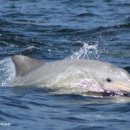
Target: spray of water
{"points": [[7, 71], [87, 51]]}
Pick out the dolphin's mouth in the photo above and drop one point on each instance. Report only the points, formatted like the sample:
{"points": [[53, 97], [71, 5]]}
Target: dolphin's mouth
{"points": [[109, 93], [114, 93]]}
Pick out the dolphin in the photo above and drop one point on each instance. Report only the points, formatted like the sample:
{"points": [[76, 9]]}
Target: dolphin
{"points": [[72, 76]]}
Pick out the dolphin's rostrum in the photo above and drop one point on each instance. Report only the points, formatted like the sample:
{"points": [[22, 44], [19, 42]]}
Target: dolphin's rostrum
{"points": [[77, 76]]}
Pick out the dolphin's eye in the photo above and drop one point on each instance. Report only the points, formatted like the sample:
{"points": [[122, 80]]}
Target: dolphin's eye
{"points": [[108, 80]]}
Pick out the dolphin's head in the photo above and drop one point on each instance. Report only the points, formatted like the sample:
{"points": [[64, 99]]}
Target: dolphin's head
{"points": [[113, 80]]}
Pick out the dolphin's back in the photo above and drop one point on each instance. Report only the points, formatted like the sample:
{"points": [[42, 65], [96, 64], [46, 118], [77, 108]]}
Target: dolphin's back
{"points": [[30, 71]]}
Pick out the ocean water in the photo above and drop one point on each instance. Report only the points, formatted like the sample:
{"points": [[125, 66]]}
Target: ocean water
{"points": [[56, 29]]}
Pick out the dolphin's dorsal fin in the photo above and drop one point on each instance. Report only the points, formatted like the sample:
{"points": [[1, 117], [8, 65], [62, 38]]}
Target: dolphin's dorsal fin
{"points": [[24, 64]]}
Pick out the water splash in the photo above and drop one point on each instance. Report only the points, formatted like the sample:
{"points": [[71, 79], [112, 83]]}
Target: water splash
{"points": [[87, 51], [7, 71]]}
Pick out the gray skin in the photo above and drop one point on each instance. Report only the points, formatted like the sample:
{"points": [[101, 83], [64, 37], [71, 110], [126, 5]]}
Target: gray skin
{"points": [[71, 76]]}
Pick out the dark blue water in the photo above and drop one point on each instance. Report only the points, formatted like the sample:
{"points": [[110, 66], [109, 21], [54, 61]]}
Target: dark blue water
{"points": [[53, 30]]}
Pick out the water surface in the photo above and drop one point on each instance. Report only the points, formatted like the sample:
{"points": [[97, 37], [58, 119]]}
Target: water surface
{"points": [[53, 30]]}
